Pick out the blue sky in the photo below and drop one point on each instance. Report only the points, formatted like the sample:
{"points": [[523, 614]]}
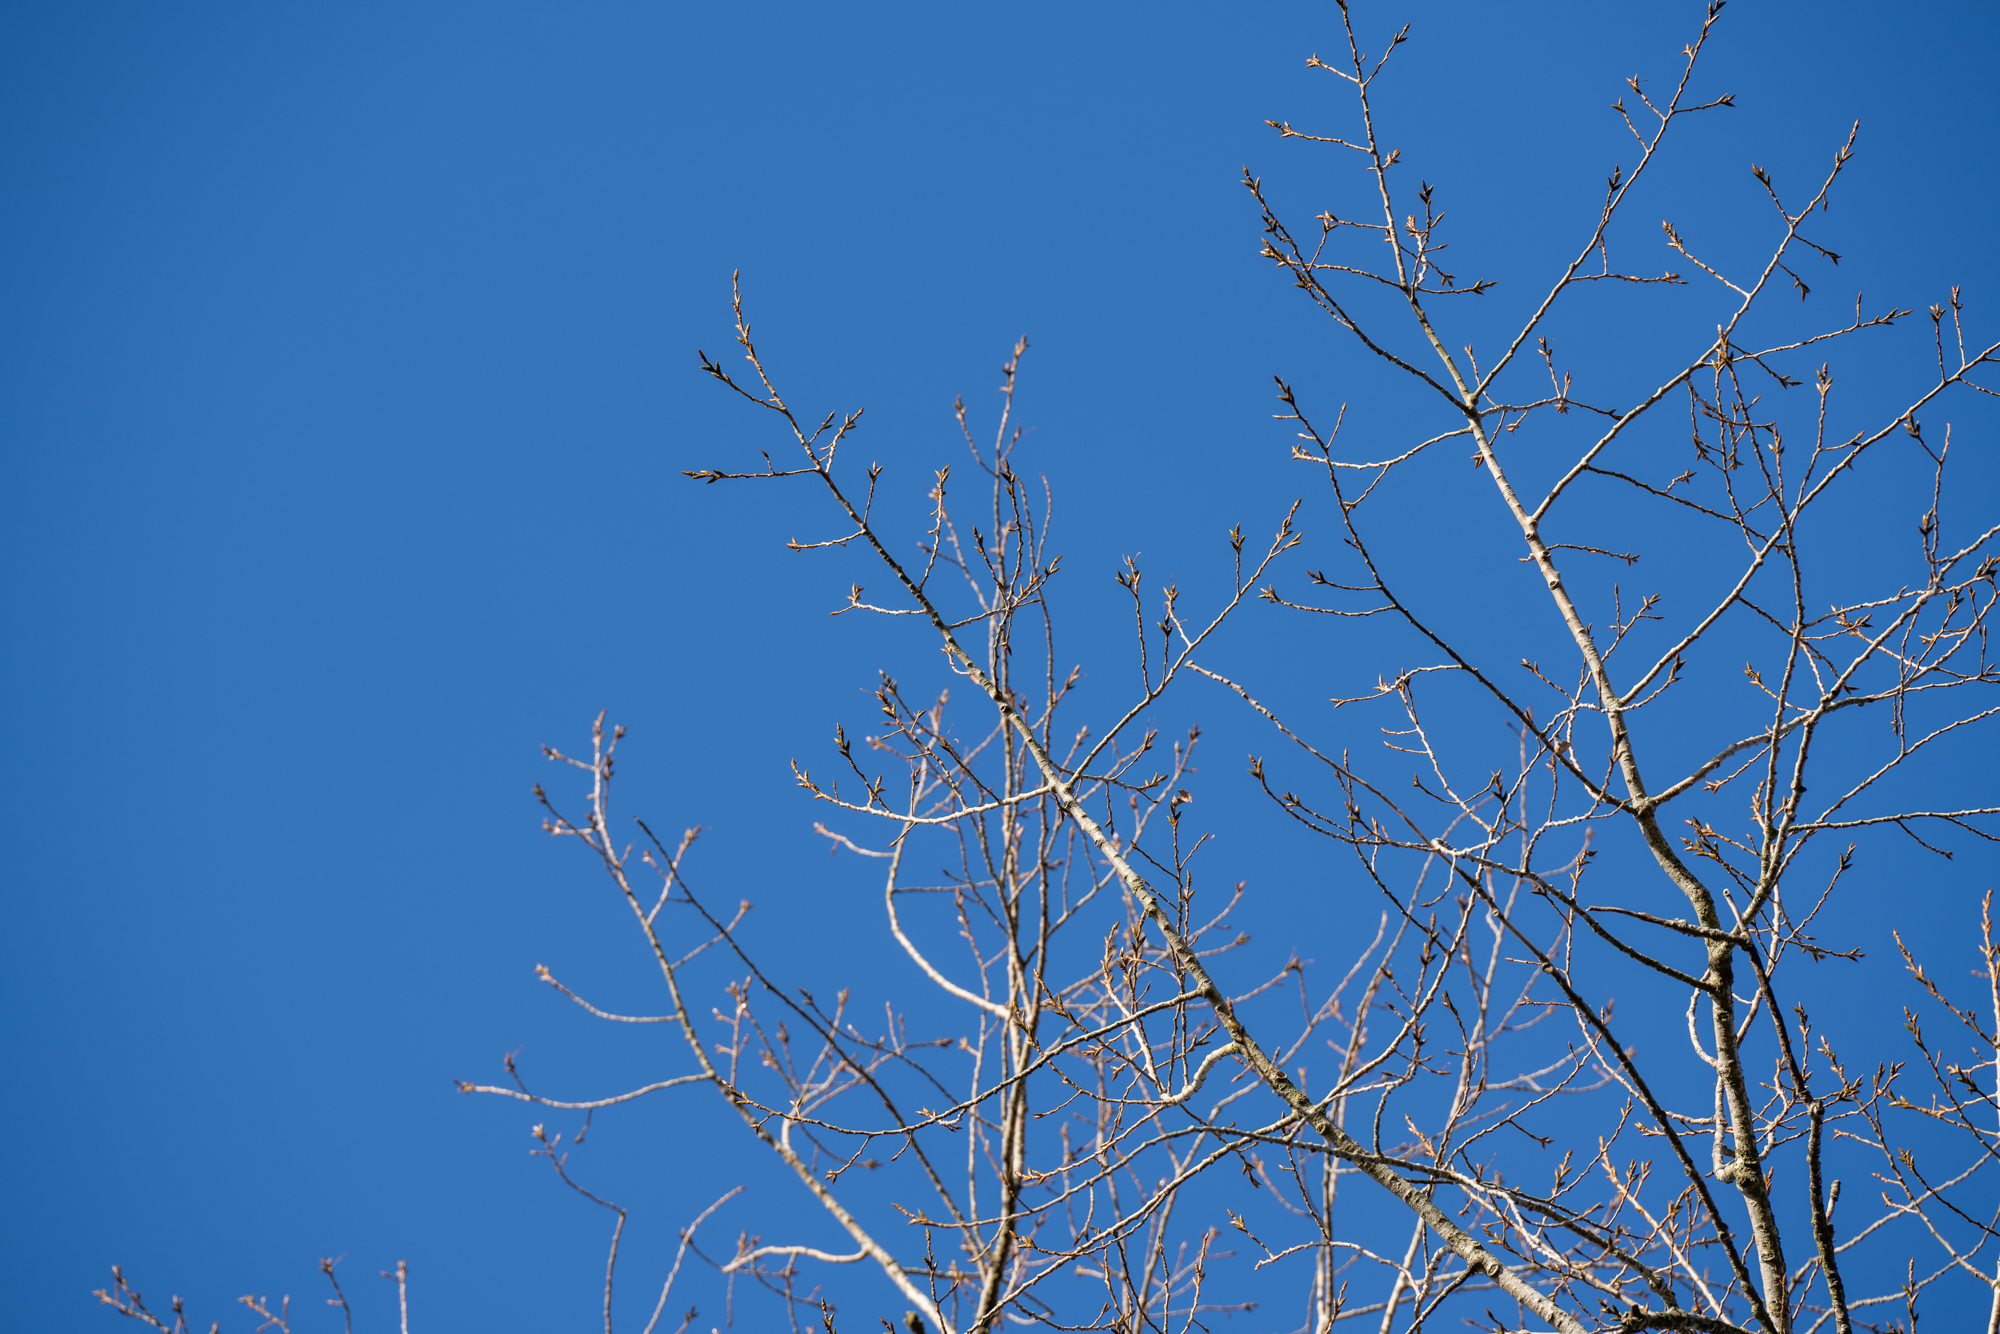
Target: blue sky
{"points": [[348, 376]]}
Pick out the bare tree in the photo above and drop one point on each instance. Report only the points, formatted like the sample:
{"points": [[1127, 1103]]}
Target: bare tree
{"points": [[123, 1298], [1100, 1116]]}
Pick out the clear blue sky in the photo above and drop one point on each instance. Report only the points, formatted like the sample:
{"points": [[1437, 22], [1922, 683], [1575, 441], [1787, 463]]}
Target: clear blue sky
{"points": [[346, 380]]}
